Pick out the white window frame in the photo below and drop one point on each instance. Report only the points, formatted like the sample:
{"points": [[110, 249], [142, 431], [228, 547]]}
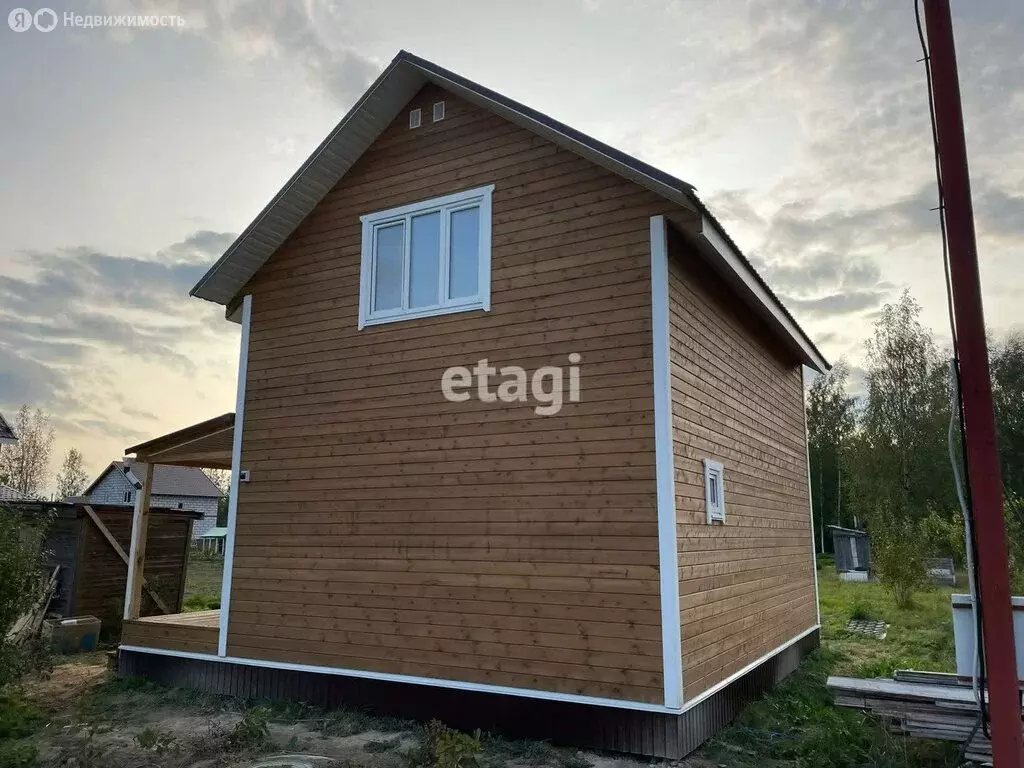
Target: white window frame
{"points": [[127, 497], [715, 511], [372, 222]]}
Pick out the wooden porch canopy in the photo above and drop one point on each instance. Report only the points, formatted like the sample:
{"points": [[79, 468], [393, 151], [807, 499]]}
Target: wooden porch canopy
{"points": [[206, 444]]}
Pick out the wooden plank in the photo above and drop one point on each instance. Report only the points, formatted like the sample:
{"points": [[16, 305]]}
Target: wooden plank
{"points": [[137, 563], [116, 546]]}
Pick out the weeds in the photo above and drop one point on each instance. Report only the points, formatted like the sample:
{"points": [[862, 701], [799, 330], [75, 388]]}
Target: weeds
{"points": [[799, 723], [526, 751], [128, 698], [252, 733], [18, 718], [862, 611], [573, 760], [153, 740], [14, 754], [379, 746], [444, 747]]}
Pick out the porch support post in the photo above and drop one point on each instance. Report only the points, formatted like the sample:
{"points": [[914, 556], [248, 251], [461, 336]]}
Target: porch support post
{"points": [[137, 554]]}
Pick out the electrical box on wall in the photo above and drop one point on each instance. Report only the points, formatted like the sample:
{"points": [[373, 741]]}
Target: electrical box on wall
{"points": [[243, 476]]}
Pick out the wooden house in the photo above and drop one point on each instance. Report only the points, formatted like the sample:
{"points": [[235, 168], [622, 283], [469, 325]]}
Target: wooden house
{"points": [[413, 522]]}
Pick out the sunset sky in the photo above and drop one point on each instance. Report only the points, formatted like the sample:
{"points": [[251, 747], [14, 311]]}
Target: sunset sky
{"points": [[133, 156]]}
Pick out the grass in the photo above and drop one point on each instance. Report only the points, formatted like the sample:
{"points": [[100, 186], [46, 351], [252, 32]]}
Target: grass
{"points": [[202, 583], [19, 719], [798, 724], [918, 638]]}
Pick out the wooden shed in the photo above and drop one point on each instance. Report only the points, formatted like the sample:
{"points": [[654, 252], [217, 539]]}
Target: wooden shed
{"points": [[90, 543], [415, 522]]}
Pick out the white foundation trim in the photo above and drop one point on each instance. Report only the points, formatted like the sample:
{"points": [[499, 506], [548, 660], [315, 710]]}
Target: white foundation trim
{"points": [[236, 468], [411, 679], [668, 553], [747, 669]]}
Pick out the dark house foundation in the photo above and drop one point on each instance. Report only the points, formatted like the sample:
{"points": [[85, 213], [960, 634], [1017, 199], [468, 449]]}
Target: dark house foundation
{"points": [[645, 733]]}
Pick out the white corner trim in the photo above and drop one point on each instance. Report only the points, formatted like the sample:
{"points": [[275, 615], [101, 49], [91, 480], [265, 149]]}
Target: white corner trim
{"points": [[714, 239], [810, 497], [236, 468], [747, 669], [668, 554], [411, 679]]}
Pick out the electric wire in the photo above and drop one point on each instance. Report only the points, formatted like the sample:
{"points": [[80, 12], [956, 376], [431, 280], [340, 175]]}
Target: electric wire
{"points": [[963, 490]]}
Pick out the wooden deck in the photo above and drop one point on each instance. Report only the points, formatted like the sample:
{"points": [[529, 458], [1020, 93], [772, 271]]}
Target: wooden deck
{"points": [[197, 632]]}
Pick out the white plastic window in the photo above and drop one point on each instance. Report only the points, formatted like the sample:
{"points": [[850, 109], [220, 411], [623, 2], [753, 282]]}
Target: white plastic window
{"points": [[429, 258]]}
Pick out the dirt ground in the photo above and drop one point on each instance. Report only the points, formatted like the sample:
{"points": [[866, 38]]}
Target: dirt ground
{"points": [[96, 721]]}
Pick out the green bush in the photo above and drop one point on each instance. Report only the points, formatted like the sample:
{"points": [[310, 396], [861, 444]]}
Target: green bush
{"points": [[825, 560], [899, 552], [252, 733], [20, 570], [444, 747]]}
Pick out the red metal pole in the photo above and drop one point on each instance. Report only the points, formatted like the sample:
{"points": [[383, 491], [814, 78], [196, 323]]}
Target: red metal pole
{"points": [[976, 393]]}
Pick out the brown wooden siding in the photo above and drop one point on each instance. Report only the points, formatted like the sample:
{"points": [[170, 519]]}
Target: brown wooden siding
{"points": [[197, 632], [387, 529], [746, 586], [102, 574]]}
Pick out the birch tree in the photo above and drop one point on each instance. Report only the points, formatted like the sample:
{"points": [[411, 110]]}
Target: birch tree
{"points": [[72, 477], [25, 465]]}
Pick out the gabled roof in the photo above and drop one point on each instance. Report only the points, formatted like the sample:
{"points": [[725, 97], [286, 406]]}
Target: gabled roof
{"points": [[378, 107], [7, 493], [167, 480], [6, 433]]}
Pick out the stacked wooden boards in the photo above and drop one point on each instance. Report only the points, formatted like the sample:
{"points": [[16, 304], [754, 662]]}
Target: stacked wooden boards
{"points": [[940, 708]]}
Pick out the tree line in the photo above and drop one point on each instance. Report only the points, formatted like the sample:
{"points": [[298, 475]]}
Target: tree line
{"points": [[882, 460]]}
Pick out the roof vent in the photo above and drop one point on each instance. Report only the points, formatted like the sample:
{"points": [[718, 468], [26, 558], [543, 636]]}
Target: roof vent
{"points": [[415, 118], [438, 111]]}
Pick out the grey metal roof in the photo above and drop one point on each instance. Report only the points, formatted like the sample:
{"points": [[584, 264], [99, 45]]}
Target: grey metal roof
{"points": [[7, 493], [6, 433], [168, 480], [376, 109]]}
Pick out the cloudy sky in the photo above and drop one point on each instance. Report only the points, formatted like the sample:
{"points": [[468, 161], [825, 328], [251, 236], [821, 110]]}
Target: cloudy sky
{"points": [[131, 157]]}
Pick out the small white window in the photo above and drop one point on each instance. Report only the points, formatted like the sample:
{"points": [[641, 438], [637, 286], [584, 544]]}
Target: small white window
{"points": [[429, 258], [127, 497], [714, 491], [415, 118], [438, 111]]}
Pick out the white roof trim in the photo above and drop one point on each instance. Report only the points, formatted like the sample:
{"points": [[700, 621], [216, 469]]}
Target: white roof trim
{"points": [[726, 258]]}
